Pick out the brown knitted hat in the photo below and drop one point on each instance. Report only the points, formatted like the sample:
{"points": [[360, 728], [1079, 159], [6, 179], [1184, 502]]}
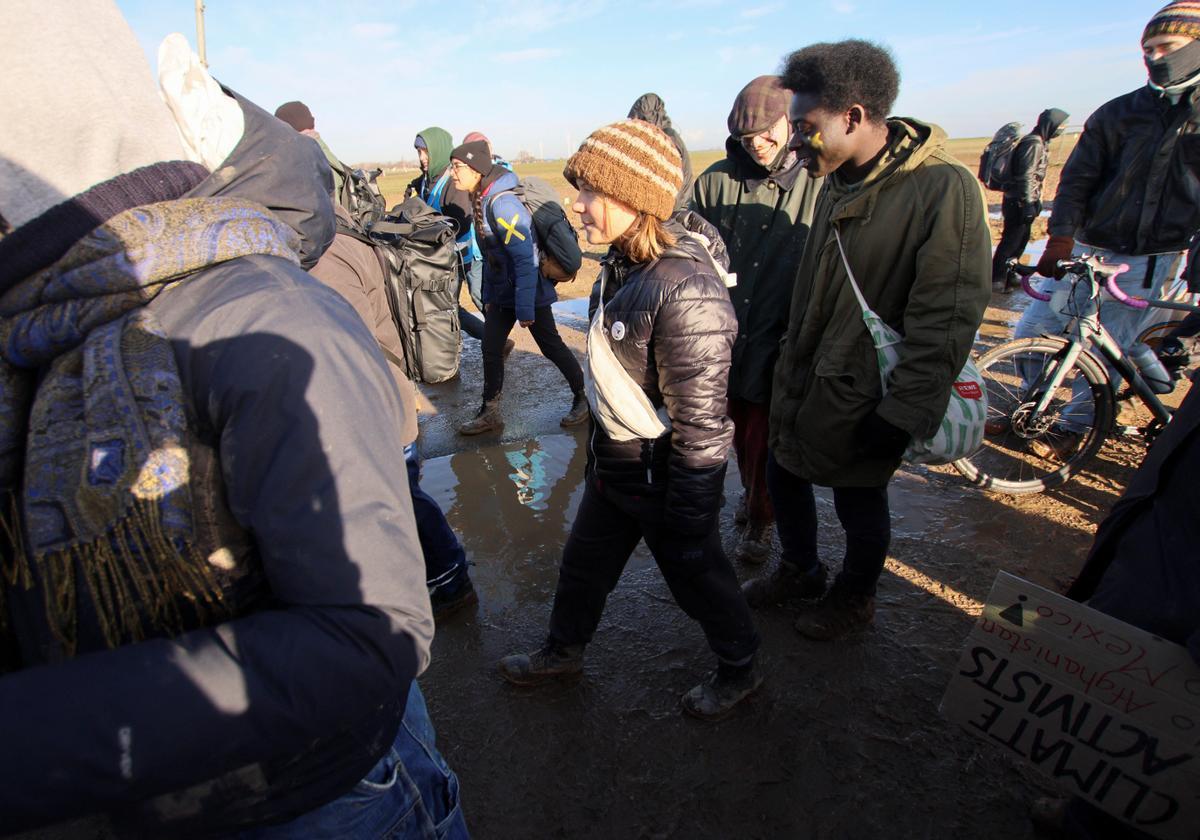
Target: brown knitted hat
{"points": [[632, 161], [1179, 18]]}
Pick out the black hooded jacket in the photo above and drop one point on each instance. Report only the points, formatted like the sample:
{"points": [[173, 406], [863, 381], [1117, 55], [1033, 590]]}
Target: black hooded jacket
{"points": [[1131, 183], [1027, 172], [650, 108]]}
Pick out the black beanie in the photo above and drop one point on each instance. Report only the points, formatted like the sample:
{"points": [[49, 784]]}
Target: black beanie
{"points": [[297, 115], [475, 155]]}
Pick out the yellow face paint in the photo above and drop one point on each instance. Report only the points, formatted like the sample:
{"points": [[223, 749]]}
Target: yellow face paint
{"points": [[815, 141]]}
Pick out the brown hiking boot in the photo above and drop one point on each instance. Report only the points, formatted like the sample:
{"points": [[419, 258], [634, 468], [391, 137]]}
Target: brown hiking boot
{"points": [[786, 583], [578, 413], [487, 420], [755, 544], [722, 691], [837, 614], [551, 662]]}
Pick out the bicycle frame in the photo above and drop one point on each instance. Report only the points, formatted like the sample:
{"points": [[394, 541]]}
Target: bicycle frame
{"points": [[1085, 332]]}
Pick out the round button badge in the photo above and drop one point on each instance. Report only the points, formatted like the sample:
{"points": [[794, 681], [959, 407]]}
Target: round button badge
{"points": [[618, 330]]}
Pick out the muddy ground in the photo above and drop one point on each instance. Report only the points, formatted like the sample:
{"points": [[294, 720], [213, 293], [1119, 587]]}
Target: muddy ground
{"points": [[845, 739]]}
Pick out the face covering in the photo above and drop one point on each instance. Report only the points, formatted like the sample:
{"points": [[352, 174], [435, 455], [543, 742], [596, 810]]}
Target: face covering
{"points": [[1175, 68]]}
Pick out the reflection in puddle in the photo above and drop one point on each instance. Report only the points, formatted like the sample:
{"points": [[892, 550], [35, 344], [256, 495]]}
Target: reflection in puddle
{"points": [[512, 507]]}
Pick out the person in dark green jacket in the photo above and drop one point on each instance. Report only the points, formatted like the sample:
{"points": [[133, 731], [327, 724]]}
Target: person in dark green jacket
{"points": [[913, 229], [760, 198]]}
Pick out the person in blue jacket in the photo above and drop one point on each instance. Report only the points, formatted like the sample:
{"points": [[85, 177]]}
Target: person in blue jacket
{"points": [[514, 290]]}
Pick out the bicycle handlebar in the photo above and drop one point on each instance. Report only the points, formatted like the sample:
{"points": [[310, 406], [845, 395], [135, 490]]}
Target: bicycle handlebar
{"points": [[1077, 266]]}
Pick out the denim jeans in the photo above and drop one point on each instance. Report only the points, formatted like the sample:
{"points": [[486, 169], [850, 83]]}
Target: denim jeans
{"points": [[1123, 322], [862, 511], [411, 793], [445, 560]]}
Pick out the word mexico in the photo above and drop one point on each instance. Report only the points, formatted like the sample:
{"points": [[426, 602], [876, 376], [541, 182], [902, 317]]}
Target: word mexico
{"points": [[1109, 711]]}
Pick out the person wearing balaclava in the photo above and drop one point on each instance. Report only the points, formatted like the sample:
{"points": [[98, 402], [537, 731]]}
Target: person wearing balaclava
{"points": [[1023, 192], [651, 108], [1129, 193], [760, 198], [213, 605]]}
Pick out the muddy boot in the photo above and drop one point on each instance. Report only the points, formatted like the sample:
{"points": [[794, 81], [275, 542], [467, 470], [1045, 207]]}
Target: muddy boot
{"points": [[578, 413], [551, 662], [786, 583], [722, 691], [487, 420], [449, 599], [755, 544], [838, 614]]}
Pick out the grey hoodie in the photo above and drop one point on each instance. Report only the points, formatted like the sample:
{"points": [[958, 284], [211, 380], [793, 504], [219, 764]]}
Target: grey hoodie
{"points": [[650, 108]]}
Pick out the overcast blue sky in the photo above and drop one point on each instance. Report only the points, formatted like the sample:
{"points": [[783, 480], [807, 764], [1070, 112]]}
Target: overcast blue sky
{"points": [[539, 75]]}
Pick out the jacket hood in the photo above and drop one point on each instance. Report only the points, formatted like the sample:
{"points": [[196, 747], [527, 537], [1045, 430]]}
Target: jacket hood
{"points": [[440, 144], [1049, 122], [499, 180], [651, 108], [912, 142], [282, 170]]}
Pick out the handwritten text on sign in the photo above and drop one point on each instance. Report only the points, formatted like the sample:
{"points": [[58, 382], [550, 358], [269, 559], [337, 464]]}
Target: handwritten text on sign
{"points": [[1106, 709]]}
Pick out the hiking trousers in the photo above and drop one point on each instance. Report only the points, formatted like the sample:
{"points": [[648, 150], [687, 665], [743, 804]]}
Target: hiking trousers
{"points": [[605, 532], [498, 323], [1013, 241], [750, 427]]}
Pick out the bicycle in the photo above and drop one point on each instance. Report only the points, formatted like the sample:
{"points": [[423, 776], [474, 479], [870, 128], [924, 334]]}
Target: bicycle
{"points": [[1051, 399]]}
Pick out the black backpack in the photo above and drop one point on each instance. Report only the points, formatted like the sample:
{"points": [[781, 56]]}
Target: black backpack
{"points": [[997, 155], [360, 195], [416, 249], [558, 242]]}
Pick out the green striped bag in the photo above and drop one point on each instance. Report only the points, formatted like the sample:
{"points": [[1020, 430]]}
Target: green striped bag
{"points": [[961, 429]]}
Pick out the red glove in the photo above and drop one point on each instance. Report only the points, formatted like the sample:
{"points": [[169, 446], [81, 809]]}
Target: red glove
{"points": [[1058, 248]]}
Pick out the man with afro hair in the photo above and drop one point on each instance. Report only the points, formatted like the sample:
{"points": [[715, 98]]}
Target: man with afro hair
{"points": [[905, 221]]}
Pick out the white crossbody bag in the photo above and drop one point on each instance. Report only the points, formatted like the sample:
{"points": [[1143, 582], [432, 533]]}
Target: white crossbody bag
{"points": [[618, 403]]}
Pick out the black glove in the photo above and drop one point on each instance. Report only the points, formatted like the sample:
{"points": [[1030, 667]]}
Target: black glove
{"points": [[877, 438]]}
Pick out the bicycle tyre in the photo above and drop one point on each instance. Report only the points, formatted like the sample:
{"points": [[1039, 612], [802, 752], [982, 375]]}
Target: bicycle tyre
{"points": [[994, 365]]}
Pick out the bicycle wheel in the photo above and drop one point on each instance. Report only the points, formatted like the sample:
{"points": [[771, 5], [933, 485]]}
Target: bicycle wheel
{"points": [[1026, 451]]}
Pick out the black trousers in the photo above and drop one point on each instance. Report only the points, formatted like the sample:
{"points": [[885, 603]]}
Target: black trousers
{"points": [[863, 512], [1014, 239], [498, 323], [606, 530]]}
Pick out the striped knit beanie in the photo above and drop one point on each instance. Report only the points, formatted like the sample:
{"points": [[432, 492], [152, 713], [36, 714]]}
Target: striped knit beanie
{"points": [[1179, 18], [633, 162]]}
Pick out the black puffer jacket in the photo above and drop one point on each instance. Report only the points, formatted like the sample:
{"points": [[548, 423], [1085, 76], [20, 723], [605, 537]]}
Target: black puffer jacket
{"points": [[1130, 185], [675, 339], [1027, 173]]}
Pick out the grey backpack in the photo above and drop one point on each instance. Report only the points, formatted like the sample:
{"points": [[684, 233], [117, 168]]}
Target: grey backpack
{"points": [[994, 162]]}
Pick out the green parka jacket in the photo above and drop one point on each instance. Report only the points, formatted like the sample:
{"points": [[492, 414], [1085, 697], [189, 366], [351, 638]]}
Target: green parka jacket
{"points": [[916, 234], [763, 218]]}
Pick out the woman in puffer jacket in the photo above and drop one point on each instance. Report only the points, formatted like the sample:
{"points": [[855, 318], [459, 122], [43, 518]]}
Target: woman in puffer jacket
{"points": [[669, 322]]}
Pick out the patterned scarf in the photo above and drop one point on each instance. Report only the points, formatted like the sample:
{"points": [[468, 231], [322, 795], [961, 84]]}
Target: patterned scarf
{"points": [[94, 463]]}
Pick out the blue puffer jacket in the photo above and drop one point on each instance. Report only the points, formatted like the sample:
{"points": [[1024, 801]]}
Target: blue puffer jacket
{"points": [[510, 250]]}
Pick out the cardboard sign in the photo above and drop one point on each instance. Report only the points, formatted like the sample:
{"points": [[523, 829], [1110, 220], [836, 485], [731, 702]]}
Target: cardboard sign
{"points": [[1110, 712]]}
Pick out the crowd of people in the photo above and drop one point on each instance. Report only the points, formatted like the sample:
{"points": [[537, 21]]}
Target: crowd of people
{"points": [[204, 407]]}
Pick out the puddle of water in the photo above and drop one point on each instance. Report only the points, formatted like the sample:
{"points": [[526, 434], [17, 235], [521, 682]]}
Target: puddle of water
{"points": [[573, 313]]}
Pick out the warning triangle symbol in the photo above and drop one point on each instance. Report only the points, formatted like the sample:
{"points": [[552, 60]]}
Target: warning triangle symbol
{"points": [[1014, 615]]}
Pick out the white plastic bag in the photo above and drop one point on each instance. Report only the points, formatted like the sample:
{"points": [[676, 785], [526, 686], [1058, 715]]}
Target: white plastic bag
{"points": [[961, 431]]}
